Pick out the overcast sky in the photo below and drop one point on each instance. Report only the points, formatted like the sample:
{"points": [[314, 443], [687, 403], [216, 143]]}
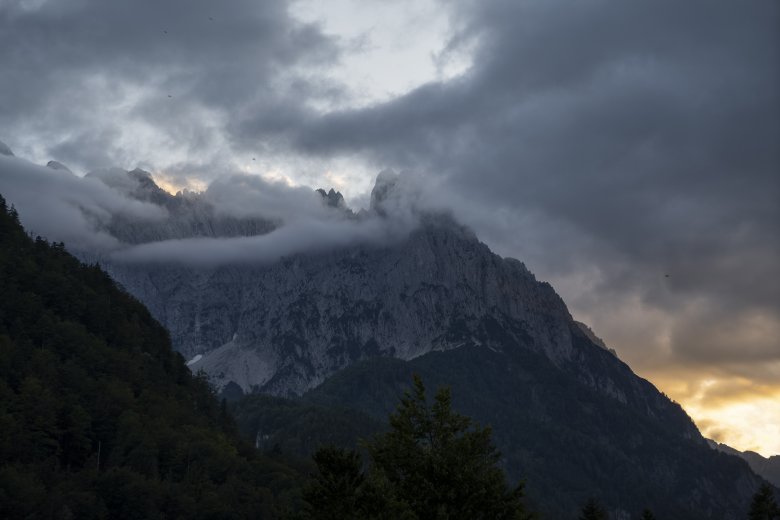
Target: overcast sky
{"points": [[627, 151]]}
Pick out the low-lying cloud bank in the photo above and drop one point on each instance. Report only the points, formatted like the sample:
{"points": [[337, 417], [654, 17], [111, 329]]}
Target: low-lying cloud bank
{"points": [[301, 237], [83, 211], [63, 207]]}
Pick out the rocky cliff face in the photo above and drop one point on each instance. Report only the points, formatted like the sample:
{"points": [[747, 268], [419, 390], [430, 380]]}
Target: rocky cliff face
{"points": [[283, 328], [410, 291]]}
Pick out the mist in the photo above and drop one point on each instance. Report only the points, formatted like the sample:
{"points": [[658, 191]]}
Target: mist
{"points": [[80, 211]]}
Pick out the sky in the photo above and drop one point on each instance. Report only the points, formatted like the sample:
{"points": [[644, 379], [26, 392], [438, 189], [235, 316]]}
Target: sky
{"points": [[626, 151]]}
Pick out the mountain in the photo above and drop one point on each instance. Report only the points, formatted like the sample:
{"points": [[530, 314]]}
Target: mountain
{"points": [[769, 468], [283, 328], [567, 440], [99, 417], [345, 326]]}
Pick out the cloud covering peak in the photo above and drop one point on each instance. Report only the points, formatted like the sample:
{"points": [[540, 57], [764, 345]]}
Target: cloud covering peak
{"points": [[127, 217]]}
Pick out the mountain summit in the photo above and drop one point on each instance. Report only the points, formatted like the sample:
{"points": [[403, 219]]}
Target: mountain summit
{"points": [[283, 328], [415, 291]]}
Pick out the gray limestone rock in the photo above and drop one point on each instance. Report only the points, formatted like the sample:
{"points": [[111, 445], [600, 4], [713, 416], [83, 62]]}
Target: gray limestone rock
{"points": [[284, 327]]}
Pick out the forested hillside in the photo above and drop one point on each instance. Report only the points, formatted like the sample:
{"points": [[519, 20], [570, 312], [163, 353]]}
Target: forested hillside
{"points": [[567, 441], [99, 418], [297, 428]]}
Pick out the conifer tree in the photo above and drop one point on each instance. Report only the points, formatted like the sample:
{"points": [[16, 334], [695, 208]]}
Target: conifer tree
{"points": [[441, 465], [99, 418], [764, 506], [432, 464], [592, 510], [647, 515], [335, 494]]}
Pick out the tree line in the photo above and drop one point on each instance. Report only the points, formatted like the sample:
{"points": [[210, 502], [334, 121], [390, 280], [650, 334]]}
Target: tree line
{"points": [[435, 464]]}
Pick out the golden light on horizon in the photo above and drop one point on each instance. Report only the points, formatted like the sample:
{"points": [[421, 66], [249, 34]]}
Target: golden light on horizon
{"points": [[735, 411], [721, 366], [173, 185]]}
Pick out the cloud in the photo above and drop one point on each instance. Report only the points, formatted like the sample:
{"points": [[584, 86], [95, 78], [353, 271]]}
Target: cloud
{"points": [[63, 207], [737, 411], [243, 195], [106, 83], [626, 151], [308, 236], [279, 219]]}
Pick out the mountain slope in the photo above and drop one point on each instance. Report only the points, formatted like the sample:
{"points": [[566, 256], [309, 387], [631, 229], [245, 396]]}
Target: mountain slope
{"points": [[568, 413], [99, 418], [299, 427], [284, 327], [566, 439], [767, 467]]}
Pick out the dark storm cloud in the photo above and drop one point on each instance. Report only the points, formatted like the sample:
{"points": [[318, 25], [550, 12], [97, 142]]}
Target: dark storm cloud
{"points": [[648, 130], [175, 65]]}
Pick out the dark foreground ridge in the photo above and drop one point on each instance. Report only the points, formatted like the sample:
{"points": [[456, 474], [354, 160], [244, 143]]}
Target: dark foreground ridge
{"points": [[99, 418], [567, 441]]}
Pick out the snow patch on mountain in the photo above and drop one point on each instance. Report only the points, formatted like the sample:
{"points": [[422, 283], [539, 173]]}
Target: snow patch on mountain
{"points": [[194, 360]]}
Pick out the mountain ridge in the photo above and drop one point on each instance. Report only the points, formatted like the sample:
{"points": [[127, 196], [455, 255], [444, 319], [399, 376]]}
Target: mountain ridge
{"points": [[99, 417], [565, 439], [767, 467], [436, 298], [283, 328]]}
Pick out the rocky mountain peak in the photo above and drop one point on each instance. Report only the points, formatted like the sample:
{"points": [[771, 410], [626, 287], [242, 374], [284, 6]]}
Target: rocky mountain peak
{"points": [[148, 190], [332, 198], [284, 327], [384, 191]]}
